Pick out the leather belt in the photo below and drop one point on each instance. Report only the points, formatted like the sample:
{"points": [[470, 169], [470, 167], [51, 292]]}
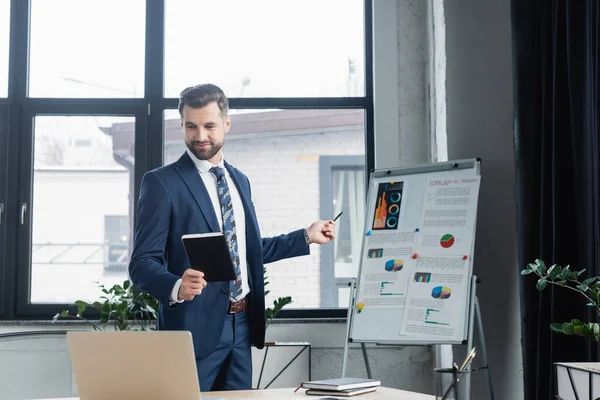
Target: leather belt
{"points": [[237, 306]]}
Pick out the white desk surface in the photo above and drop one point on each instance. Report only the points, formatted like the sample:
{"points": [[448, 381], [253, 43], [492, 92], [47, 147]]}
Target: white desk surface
{"points": [[288, 394]]}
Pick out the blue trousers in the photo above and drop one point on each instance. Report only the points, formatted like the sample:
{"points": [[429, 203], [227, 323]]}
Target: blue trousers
{"points": [[229, 366]]}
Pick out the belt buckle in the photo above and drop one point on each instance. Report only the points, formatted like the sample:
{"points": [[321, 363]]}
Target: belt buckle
{"points": [[234, 304]]}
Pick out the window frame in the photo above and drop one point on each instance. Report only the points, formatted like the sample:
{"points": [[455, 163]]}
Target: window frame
{"points": [[27, 153], [4, 129], [17, 113], [327, 164]]}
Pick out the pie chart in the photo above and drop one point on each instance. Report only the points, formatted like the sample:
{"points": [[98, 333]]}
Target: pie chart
{"points": [[447, 241], [394, 265], [441, 292]]}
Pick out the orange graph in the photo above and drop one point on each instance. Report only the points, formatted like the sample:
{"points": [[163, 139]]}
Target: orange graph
{"points": [[380, 213]]}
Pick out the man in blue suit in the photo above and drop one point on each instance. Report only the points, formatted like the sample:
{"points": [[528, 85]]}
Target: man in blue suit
{"points": [[201, 193]]}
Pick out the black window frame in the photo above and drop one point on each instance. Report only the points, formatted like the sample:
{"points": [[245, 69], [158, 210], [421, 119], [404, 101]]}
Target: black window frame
{"points": [[4, 129], [17, 113]]}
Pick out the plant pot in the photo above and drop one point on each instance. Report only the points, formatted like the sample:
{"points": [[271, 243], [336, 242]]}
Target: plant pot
{"points": [[577, 381]]}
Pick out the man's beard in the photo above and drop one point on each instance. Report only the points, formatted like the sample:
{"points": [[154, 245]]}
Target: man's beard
{"points": [[206, 153]]}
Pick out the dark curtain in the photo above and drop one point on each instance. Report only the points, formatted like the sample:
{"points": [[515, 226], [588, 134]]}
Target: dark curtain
{"points": [[555, 65]]}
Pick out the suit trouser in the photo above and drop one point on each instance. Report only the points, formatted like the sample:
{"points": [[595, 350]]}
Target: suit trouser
{"points": [[229, 366]]}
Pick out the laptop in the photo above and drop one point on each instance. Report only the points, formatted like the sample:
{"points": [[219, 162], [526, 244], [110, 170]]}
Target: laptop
{"points": [[134, 365]]}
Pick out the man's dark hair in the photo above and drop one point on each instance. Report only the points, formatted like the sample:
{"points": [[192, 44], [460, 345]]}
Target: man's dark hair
{"points": [[201, 95]]}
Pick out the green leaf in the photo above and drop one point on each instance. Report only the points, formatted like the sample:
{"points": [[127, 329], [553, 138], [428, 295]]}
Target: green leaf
{"points": [[575, 322], [557, 273], [526, 272], [541, 266], [573, 276], [580, 272], [589, 281], [541, 284], [552, 268], [567, 328], [582, 288], [556, 327], [579, 330], [533, 267], [81, 306], [566, 273], [126, 285]]}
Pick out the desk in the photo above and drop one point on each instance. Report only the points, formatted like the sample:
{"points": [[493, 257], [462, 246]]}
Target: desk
{"points": [[288, 394]]}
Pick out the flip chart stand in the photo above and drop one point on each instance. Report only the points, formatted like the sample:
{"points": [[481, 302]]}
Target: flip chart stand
{"points": [[474, 309]]}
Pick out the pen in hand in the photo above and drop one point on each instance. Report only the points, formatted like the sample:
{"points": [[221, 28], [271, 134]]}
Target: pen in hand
{"points": [[337, 216]]}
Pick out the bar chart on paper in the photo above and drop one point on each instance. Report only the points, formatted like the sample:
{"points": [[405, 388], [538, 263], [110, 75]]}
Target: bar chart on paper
{"points": [[434, 317]]}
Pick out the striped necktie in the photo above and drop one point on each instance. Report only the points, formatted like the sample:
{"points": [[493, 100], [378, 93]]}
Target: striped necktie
{"points": [[235, 287]]}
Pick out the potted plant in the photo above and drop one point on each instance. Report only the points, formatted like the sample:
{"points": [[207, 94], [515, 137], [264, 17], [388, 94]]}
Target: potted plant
{"points": [[573, 378], [565, 277], [127, 308], [277, 304], [123, 306]]}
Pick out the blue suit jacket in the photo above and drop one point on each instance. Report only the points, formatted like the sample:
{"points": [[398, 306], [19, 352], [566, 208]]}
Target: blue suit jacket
{"points": [[173, 202]]}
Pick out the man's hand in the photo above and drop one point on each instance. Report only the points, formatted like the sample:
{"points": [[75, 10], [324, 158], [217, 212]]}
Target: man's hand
{"points": [[321, 232], [192, 283]]}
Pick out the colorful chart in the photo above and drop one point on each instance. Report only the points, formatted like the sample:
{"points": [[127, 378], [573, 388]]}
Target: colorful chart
{"points": [[422, 277], [441, 292], [388, 204], [447, 241], [375, 253], [394, 265]]}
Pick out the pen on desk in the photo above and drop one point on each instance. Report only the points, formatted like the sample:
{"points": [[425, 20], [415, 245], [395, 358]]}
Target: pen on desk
{"points": [[337, 216]]}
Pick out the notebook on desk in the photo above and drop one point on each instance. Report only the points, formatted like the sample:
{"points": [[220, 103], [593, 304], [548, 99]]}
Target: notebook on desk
{"points": [[340, 393], [341, 384]]}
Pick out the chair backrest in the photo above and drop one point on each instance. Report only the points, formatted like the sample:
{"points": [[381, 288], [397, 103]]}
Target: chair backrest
{"points": [[35, 364]]}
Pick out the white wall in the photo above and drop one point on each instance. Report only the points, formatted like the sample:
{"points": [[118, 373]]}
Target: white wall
{"points": [[479, 124], [400, 86]]}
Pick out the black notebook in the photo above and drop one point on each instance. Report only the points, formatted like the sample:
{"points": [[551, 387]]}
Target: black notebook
{"points": [[209, 253]]}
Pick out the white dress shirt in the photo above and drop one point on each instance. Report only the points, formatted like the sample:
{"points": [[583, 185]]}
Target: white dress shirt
{"points": [[210, 181]]}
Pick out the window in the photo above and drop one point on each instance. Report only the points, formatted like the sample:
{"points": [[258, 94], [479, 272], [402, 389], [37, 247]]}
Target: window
{"points": [[266, 48], [117, 233], [76, 238], [342, 190], [93, 107], [87, 48], [4, 40], [279, 151]]}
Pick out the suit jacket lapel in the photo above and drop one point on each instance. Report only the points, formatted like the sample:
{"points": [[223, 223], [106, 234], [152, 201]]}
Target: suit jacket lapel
{"points": [[191, 177]]}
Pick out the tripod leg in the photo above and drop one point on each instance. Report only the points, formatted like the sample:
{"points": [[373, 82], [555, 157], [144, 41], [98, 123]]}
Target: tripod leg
{"points": [[352, 285], [483, 349], [470, 334], [367, 365]]}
